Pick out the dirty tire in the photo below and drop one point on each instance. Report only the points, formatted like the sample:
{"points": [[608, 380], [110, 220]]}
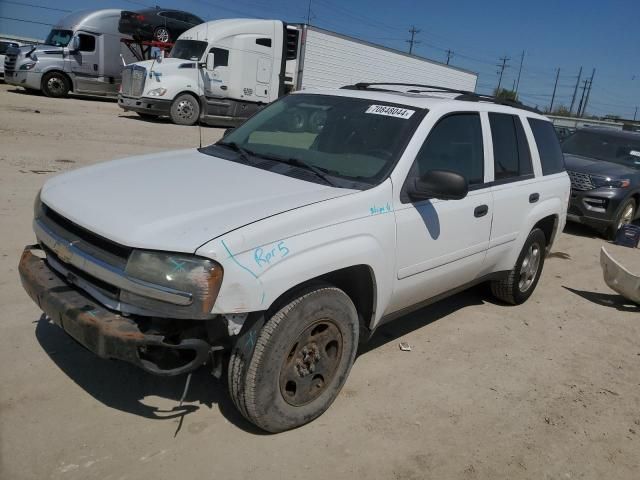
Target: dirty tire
{"points": [[55, 85], [257, 388], [185, 110], [509, 290], [626, 214]]}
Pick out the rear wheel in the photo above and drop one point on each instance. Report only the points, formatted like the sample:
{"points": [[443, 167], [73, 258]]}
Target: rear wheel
{"points": [[185, 110], [523, 278], [162, 34], [301, 360], [56, 85]]}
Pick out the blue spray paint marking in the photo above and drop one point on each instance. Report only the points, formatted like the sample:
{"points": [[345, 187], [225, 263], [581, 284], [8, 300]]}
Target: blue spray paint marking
{"points": [[251, 341], [268, 255], [380, 210], [248, 270], [233, 257], [178, 266], [92, 313]]}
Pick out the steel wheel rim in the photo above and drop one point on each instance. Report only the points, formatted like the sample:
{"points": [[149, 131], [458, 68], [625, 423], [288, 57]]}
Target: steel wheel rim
{"points": [[626, 216], [162, 35], [185, 109], [529, 268], [311, 363], [55, 85]]}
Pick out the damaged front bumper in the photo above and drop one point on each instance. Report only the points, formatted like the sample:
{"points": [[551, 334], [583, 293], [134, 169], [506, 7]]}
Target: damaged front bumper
{"points": [[103, 332]]}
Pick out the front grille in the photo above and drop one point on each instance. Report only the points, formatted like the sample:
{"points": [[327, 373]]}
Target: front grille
{"points": [[10, 62], [581, 181], [133, 78]]}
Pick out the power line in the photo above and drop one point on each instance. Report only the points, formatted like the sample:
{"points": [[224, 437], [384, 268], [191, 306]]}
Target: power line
{"points": [[26, 21], [413, 31], [24, 4]]}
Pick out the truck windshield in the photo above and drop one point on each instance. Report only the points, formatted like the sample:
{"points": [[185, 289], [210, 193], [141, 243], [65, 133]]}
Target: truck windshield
{"points": [[188, 49], [354, 142], [616, 148], [58, 38]]}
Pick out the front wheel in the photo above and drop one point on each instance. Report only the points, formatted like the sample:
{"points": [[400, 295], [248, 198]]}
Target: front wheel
{"points": [[185, 110], [301, 360], [625, 216], [56, 85], [523, 278]]}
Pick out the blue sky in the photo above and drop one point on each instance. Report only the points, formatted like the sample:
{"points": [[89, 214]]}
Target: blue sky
{"points": [[563, 34]]}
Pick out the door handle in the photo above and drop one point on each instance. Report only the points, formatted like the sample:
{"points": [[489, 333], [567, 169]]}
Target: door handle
{"points": [[480, 211], [534, 197]]}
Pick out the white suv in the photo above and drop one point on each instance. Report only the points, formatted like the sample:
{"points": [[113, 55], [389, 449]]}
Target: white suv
{"points": [[293, 238]]}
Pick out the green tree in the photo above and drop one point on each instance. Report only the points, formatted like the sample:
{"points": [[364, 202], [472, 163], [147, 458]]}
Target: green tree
{"points": [[505, 94], [561, 110]]}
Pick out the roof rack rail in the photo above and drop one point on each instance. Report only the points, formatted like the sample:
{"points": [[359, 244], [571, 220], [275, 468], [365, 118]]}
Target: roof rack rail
{"points": [[464, 95]]}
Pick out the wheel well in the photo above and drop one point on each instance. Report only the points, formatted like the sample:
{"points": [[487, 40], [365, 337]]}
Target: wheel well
{"points": [[636, 197], [548, 225], [357, 282], [188, 92], [64, 74]]}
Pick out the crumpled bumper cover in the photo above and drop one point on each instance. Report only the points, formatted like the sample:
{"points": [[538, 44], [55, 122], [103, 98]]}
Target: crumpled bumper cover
{"points": [[101, 331], [618, 278]]}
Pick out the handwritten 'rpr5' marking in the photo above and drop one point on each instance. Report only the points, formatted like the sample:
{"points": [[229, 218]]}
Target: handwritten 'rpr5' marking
{"points": [[268, 255]]}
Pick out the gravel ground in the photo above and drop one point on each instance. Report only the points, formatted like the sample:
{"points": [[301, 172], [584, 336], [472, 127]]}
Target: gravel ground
{"points": [[546, 390]]}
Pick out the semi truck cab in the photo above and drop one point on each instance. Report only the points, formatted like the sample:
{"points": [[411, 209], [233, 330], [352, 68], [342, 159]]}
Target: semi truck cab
{"points": [[221, 72], [82, 54]]}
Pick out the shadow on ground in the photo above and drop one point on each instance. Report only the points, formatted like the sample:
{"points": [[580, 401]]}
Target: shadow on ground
{"points": [[72, 96], [580, 230], [606, 300], [124, 387]]}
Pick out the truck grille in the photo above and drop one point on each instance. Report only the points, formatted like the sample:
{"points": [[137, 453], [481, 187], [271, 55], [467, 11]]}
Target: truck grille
{"points": [[133, 78], [581, 181], [10, 62]]}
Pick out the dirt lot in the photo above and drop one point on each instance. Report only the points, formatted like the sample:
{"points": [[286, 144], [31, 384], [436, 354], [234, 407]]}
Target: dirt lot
{"points": [[550, 389]]}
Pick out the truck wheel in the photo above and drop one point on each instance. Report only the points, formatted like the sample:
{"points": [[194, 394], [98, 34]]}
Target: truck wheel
{"points": [[626, 215], [55, 84], [185, 110], [162, 34], [301, 360], [522, 280]]}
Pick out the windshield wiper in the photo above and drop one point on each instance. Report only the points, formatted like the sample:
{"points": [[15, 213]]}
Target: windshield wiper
{"points": [[296, 162], [242, 152]]}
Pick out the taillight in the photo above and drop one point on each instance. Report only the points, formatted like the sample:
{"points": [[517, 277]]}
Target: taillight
{"points": [[139, 17]]}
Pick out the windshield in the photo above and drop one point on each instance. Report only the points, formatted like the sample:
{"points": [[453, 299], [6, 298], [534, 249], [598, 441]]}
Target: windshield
{"points": [[188, 49], [604, 146], [351, 139], [58, 38]]}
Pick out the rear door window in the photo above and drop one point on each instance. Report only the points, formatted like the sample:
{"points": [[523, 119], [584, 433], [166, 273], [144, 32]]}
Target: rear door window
{"points": [[511, 155], [551, 158]]}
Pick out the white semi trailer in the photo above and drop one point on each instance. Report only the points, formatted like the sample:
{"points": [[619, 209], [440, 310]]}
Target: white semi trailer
{"points": [[222, 71]]}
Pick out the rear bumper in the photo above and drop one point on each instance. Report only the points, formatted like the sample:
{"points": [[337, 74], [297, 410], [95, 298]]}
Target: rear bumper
{"points": [[144, 105], [103, 332]]}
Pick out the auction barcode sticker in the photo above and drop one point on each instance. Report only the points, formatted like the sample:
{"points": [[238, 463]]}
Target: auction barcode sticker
{"points": [[390, 111]]}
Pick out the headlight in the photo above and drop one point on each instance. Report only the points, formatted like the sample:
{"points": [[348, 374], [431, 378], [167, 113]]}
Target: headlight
{"points": [[157, 92], [197, 276], [27, 66], [610, 183]]}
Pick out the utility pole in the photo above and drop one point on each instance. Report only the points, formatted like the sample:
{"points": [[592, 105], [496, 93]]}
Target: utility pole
{"points": [[309, 13], [635, 114], [519, 72], [584, 88], [502, 66], [575, 91], [555, 86], [586, 101], [413, 41], [449, 55]]}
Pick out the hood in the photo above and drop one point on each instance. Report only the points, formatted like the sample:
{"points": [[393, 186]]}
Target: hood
{"points": [[175, 201], [166, 63], [593, 166]]}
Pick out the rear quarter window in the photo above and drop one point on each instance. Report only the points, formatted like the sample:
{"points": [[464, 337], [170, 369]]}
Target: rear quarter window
{"points": [[551, 158]]}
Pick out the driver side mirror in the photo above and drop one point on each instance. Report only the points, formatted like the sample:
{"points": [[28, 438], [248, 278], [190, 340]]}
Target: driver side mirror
{"points": [[74, 44], [210, 61], [440, 184]]}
